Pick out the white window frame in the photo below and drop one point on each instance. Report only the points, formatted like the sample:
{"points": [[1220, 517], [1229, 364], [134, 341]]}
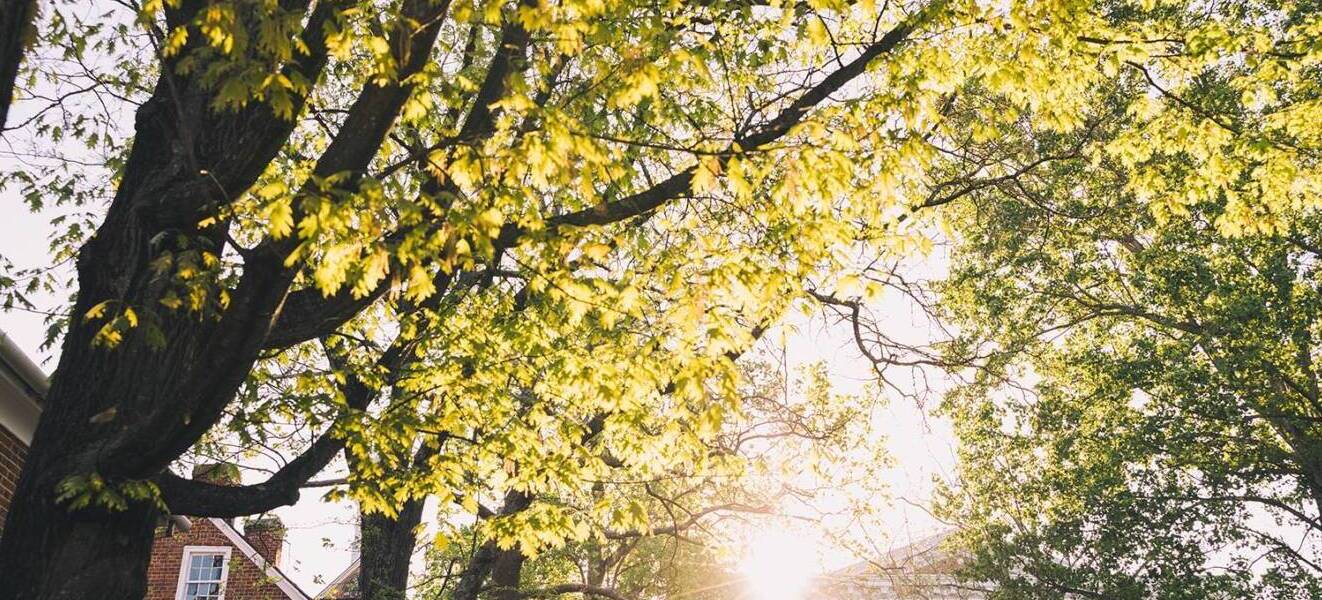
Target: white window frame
{"points": [[181, 587]]}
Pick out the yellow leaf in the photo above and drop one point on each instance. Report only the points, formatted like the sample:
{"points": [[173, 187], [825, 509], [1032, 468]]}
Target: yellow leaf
{"points": [[817, 32], [96, 311], [279, 219], [596, 251], [849, 286], [705, 174]]}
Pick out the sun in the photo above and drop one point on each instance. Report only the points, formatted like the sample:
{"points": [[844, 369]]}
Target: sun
{"points": [[778, 565]]}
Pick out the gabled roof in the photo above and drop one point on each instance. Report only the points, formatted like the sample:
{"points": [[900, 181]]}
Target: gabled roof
{"points": [[273, 573], [345, 585]]}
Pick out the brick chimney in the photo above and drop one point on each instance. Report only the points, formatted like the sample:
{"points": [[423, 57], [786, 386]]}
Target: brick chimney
{"points": [[217, 473], [267, 535]]}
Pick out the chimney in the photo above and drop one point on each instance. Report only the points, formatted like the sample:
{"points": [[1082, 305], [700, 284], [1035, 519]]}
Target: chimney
{"points": [[267, 535], [217, 473]]}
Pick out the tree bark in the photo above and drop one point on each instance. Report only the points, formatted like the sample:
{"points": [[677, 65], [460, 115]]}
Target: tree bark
{"points": [[488, 558], [506, 573], [16, 22], [386, 549], [111, 549]]}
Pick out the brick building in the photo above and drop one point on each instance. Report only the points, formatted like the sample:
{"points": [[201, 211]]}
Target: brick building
{"points": [[192, 558], [213, 561]]}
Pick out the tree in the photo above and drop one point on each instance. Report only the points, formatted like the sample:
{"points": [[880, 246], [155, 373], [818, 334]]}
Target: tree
{"points": [[1128, 298], [1132, 302], [1140, 418], [294, 166], [612, 520]]}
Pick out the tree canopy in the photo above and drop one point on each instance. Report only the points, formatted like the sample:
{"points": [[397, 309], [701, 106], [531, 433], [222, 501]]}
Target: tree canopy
{"points": [[1137, 332]]}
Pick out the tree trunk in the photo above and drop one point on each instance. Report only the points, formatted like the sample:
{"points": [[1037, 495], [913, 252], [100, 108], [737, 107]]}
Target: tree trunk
{"points": [[506, 572], [89, 448], [386, 549], [111, 550], [490, 561], [475, 572], [89, 442], [116, 416], [16, 17]]}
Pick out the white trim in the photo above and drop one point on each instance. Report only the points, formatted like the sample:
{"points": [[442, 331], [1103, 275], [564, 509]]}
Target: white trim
{"points": [[18, 413], [22, 366], [272, 573], [22, 387], [182, 585]]}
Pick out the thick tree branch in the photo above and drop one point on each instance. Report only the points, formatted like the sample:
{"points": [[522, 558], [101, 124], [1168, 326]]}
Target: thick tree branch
{"points": [[308, 314], [201, 499], [219, 174], [262, 289]]}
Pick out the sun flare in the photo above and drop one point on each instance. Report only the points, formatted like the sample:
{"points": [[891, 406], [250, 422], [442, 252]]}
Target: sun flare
{"points": [[778, 565]]}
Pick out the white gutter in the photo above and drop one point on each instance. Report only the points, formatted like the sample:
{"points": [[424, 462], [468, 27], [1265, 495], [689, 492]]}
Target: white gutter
{"points": [[21, 414], [20, 410], [13, 357]]}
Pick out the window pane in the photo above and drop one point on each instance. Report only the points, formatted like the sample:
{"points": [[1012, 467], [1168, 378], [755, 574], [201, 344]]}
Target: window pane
{"points": [[202, 591], [205, 573]]}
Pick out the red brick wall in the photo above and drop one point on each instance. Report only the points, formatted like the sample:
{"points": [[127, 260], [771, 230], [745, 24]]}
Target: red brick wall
{"points": [[12, 453], [246, 581]]}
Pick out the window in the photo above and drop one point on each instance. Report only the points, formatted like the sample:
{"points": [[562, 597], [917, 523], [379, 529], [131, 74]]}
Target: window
{"points": [[203, 572]]}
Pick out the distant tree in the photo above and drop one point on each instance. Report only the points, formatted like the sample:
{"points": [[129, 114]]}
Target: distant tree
{"points": [[1141, 413], [1132, 301]]}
